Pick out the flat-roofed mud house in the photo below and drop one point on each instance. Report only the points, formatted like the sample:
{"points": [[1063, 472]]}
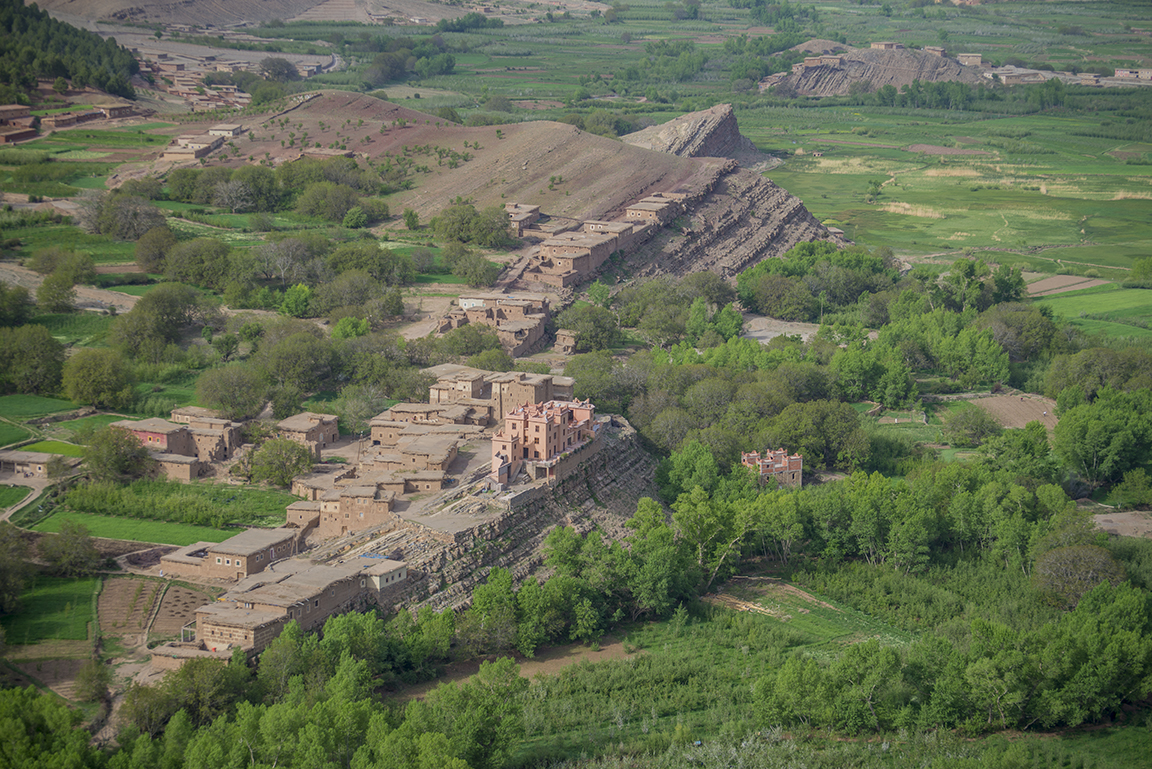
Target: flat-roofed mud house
{"points": [[184, 450], [26, 464], [316, 431], [521, 216], [249, 552], [354, 508], [252, 615], [519, 319], [538, 435]]}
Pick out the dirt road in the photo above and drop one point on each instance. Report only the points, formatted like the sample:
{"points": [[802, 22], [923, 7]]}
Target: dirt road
{"points": [[87, 298]]}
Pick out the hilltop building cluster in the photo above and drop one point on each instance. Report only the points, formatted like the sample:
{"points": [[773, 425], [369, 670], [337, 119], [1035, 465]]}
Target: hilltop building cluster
{"points": [[183, 75]]}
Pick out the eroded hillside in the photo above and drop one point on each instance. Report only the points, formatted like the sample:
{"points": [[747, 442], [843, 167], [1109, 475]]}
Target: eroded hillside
{"points": [[735, 216], [876, 69]]}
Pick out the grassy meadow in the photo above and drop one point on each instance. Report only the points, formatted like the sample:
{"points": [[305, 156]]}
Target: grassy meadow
{"points": [[10, 495], [52, 609], [134, 530], [55, 447]]}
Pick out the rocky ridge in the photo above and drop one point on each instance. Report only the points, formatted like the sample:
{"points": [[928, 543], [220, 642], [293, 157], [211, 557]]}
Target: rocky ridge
{"points": [[709, 133], [738, 218], [878, 68]]}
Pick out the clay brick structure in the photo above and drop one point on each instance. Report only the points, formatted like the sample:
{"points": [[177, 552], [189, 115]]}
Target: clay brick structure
{"points": [[249, 552], [316, 431], [183, 450], [887, 46], [11, 135], [775, 466], [354, 508], [970, 59], [14, 111], [253, 614], [501, 391], [32, 464], [228, 130], [160, 436], [537, 435], [521, 216], [519, 319]]}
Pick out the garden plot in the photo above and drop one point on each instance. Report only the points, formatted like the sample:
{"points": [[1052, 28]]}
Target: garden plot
{"points": [[1058, 284], [125, 605], [821, 620], [177, 609], [59, 675], [1019, 410]]}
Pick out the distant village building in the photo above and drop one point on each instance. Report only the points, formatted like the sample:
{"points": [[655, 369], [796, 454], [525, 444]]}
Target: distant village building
{"points": [[29, 464], [887, 45], [519, 319], [226, 129], [520, 217], [566, 341], [14, 111], [501, 391], [184, 450], [935, 50], [1122, 73], [249, 552], [775, 466], [970, 59], [537, 436], [315, 431], [11, 135]]}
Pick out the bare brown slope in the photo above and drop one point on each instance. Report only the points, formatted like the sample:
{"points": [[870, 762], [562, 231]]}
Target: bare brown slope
{"points": [[227, 12], [736, 216], [879, 68], [591, 176]]}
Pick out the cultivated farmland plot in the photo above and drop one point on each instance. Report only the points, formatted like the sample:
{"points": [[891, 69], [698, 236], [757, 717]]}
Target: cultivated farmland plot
{"points": [[823, 622], [1018, 410]]}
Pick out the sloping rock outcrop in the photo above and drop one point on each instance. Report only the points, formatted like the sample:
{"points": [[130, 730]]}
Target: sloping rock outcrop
{"points": [[742, 220], [709, 133], [878, 68]]}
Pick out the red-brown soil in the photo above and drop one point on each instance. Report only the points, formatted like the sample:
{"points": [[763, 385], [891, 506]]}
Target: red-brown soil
{"points": [[1017, 410], [1058, 284]]}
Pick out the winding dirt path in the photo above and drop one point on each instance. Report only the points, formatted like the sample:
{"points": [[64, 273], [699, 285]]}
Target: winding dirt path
{"points": [[87, 297]]}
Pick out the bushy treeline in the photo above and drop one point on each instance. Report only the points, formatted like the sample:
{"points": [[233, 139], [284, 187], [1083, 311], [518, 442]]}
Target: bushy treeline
{"points": [[38, 46]]}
